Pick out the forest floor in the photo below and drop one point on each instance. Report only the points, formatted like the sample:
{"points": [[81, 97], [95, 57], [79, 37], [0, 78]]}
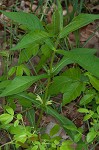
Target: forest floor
{"points": [[69, 110]]}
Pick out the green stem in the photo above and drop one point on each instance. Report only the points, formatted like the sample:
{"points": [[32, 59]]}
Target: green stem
{"points": [[95, 146], [43, 9], [40, 117], [48, 83], [51, 70], [6, 144]]}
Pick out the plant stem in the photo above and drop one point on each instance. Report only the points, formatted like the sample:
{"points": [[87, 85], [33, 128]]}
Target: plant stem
{"points": [[48, 83], [51, 70], [40, 117], [43, 9], [94, 146], [49, 79], [6, 144]]}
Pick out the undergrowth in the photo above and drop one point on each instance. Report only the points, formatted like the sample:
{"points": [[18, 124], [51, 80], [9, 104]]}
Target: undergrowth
{"points": [[60, 68]]}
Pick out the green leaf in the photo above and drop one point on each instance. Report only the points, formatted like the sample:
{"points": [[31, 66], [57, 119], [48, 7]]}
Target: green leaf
{"points": [[9, 110], [63, 121], [56, 22], [35, 147], [31, 38], [16, 123], [69, 127], [27, 53], [29, 20], [66, 145], [24, 102], [4, 84], [59, 83], [78, 22], [46, 50], [83, 110], [82, 145], [60, 11], [73, 73], [29, 97], [4, 53], [22, 69], [21, 137], [45, 136], [61, 64], [16, 130], [6, 118], [86, 99], [20, 84], [42, 62], [88, 116], [54, 130], [31, 117], [11, 71], [97, 98], [66, 81], [85, 58], [50, 43], [19, 70], [73, 90], [19, 116], [26, 70], [94, 82], [98, 110], [77, 137], [91, 136]]}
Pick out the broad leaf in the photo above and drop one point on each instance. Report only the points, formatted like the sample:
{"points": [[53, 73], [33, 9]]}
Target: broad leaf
{"points": [[90, 136], [31, 117], [66, 145], [73, 73], [45, 50], [27, 53], [61, 64], [54, 130], [9, 110], [29, 97], [11, 71], [86, 99], [63, 120], [20, 84], [50, 43], [77, 137], [88, 116], [24, 102], [31, 38], [98, 110], [59, 84], [6, 118], [19, 70], [78, 22], [41, 63], [4, 84], [72, 92], [29, 20], [94, 81], [85, 58], [83, 110]]}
